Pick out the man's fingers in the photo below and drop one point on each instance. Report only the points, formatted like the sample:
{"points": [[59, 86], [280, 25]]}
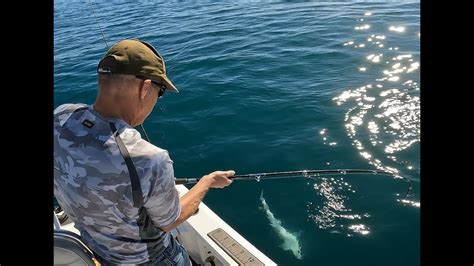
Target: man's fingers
{"points": [[229, 173]]}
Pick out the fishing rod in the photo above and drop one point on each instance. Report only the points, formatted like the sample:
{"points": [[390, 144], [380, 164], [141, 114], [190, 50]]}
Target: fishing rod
{"points": [[289, 174], [300, 173]]}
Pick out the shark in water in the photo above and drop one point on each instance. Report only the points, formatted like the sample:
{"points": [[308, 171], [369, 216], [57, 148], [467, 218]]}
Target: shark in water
{"points": [[290, 241]]}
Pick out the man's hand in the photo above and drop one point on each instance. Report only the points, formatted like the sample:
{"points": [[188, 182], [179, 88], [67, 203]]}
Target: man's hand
{"points": [[190, 201], [219, 179]]}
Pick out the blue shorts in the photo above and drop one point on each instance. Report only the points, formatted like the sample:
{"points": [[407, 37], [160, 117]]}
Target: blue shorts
{"points": [[174, 255]]}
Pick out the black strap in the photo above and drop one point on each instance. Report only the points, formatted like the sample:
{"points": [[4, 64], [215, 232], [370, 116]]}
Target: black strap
{"points": [[136, 188]]}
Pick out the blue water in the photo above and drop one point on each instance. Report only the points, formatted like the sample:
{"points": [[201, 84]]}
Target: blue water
{"points": [[278, 86]]}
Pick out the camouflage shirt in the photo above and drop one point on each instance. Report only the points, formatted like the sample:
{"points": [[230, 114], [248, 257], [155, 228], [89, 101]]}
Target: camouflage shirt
{"points": [[92, 184]]}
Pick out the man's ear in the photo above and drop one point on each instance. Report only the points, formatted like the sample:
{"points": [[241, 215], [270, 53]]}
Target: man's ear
{"points": [[144, 89]]}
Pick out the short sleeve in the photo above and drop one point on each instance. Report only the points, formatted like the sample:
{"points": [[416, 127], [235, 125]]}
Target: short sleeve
{"points": [[162, 202]]}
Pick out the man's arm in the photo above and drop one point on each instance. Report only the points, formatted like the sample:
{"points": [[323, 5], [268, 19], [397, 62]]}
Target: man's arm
{"points": [[190, 201]]}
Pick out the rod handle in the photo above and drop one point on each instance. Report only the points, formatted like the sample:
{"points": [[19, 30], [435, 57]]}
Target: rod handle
{"points": [[185, 181]]}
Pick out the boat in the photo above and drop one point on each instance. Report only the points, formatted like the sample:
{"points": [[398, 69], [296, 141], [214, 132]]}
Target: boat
{"points": [[208, 239]]}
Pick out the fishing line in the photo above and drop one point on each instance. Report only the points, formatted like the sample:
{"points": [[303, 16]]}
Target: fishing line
{"points": [[97, 20], [107, 46], [146, 135]]}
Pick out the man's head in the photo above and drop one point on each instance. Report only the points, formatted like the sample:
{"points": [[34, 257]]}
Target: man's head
{"points": [[132, 75], [136, 58]]}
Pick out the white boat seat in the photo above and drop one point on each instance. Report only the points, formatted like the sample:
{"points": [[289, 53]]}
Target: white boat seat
{"points": [[70, 250]]}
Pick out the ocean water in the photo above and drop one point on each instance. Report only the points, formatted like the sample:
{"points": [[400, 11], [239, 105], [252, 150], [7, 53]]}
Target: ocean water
{"points": [[278, 86]]}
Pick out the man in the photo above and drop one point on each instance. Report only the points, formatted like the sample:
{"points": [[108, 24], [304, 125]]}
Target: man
{"points": [[118, 188]]}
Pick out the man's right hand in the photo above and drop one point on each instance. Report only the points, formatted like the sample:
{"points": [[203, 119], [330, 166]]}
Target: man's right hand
{"points": [[191, 200], [219, 179]]}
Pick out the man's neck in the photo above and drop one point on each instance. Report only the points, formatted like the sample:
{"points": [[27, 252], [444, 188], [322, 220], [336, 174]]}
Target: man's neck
{"points": [[108, 111]]}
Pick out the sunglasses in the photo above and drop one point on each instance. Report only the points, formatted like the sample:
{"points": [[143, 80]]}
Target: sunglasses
{"points": [[161, 86]]}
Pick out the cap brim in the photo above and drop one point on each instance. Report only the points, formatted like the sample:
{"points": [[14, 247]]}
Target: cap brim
{"points": [[169, 85]]}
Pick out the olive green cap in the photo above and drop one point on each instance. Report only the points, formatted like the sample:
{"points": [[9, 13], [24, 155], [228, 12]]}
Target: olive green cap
{"points": [[135, 57]]}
